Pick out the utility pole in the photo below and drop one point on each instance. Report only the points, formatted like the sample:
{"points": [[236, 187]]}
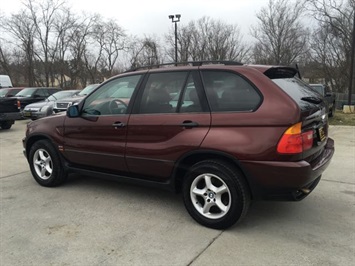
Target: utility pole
{"points": [[352, 67]]}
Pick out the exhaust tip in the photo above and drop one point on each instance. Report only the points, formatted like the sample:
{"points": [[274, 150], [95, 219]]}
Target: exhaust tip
{"points": [[305, 190]]}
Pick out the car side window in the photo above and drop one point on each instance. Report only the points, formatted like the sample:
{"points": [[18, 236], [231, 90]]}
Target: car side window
{"points": [[40, 93], [229, 92], [190, 99], [160, 91], [112, 98]]}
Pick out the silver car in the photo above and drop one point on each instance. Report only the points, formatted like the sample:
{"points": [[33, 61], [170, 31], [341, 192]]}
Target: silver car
{"points": [[45, 108], [62, 104]]}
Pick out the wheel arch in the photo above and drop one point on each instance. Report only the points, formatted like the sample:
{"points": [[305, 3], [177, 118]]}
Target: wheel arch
{"points": [[33, 139], [183, 165]]}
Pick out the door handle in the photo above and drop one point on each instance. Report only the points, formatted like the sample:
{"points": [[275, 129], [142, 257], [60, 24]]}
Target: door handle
{"points": [[118, 124], [189, 124]]}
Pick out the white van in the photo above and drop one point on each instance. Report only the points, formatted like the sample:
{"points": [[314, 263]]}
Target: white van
{"points": [[5, 81]]}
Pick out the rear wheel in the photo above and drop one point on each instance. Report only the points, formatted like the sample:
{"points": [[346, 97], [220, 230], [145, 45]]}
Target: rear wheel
{"points": [[45, 164], [6, 124], [215, 194]]}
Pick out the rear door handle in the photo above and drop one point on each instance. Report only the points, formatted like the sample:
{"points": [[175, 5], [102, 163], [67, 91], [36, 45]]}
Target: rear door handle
{"points": [[118, 124], [189, 124]]}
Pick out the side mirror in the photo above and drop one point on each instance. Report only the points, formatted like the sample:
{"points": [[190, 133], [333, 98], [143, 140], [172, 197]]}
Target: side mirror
{"points": [[73, 111]]}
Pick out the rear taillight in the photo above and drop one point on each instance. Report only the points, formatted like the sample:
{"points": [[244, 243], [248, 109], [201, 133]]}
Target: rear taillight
{"points": [[295, 141], [19, 105]]}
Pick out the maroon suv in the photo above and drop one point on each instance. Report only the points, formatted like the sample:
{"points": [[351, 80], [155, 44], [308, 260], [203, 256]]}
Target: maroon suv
{"points": [[223, 134]]}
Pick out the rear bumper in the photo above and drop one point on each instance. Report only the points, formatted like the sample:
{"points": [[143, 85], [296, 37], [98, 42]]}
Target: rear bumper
{"points": [[10, 116], [287, 180]]}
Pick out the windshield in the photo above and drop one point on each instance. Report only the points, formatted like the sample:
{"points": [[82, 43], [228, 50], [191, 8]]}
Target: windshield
{"points": [[60, 95], [88, 89], [123, 92], [26, 92]]}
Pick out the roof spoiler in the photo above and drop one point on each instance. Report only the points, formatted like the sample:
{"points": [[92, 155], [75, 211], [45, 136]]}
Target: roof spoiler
{"points": [[281, 72]]}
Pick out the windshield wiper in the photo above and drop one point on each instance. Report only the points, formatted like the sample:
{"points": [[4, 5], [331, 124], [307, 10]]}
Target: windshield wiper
{"points": [[315, 100]]}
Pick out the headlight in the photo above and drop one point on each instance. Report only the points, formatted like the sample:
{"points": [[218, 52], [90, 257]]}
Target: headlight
{"points": [[31, 109], [44, 109]]}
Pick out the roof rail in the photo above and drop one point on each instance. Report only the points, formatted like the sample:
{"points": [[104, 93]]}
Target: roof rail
{"points": [[193, 63]]}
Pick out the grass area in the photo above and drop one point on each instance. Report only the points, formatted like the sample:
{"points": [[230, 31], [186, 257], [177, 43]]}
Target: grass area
{"points": [[340, 118]]}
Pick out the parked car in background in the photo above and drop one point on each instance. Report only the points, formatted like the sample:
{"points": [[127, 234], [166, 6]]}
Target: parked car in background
{"points": [[62, 104], [34, 94], [45, 108], [235, 133], [5, 81], [9, 112], [328, 95], [9, 92]]}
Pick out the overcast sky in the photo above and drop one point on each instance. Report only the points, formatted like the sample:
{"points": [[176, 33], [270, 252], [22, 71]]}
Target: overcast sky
{"points": [[150, 17]]}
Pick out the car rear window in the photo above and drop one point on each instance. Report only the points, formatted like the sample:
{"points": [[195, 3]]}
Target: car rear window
{"points": [[299, 91]]}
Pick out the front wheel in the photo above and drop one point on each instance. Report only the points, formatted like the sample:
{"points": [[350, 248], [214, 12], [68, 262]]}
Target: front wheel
{"points": [[45, 164], [216, 194]]}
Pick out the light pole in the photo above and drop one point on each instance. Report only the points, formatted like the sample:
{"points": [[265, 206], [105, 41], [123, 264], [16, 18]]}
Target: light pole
{"points": [[352, 64], [175, 19]]}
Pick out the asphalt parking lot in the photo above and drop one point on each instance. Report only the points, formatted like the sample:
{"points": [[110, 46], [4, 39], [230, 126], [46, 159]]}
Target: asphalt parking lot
{"points": [[89, 221]]}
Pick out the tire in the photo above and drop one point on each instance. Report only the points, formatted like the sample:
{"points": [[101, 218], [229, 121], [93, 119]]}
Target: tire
{"points": [[6, 125], [215, 194], [45, 164]]}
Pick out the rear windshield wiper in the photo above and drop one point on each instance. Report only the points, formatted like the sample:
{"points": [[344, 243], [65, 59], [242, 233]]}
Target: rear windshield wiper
{"points": [[315, 100]]}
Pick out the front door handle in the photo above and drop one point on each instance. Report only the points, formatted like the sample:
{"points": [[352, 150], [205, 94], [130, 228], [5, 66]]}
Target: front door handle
{"points": [[189, 124], [118, 124]]}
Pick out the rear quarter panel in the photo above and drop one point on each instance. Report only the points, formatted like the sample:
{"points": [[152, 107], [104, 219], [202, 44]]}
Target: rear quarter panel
{"points": [[254, 135]]}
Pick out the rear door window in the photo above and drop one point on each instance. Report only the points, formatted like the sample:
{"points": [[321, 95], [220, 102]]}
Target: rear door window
{"points": [[229, 92], [41, 93], [161, 92]]}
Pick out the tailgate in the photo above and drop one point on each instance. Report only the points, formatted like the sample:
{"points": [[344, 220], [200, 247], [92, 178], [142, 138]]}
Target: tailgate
{"points": [[313, 112], [8, 105]]}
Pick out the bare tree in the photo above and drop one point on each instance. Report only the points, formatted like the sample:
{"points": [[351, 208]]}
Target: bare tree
{"points": [[21, 27], [56, 43], [144, 52], [63, 28], [331, 42], [208, 39], [43, 15], [79, 49], [281, 37], [108, 40], [4, 60]]}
